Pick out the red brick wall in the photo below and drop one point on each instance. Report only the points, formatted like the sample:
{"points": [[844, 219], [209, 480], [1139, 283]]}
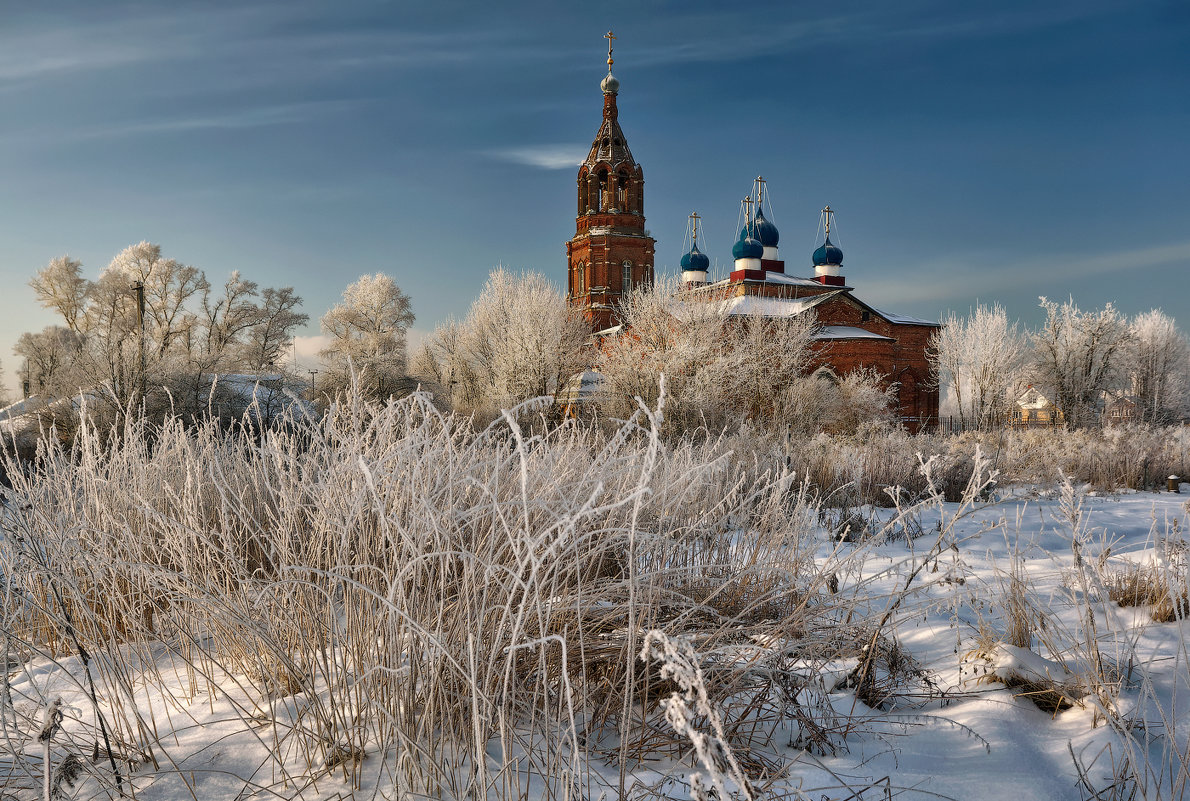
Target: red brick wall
{"points": [[902, 361]]}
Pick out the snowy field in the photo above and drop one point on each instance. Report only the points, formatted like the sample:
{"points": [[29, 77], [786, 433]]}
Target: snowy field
{"points": [[528, 618]]}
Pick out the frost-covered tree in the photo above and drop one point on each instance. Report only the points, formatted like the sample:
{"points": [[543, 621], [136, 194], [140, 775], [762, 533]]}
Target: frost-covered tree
{"points": [[519, 340], [721, 369], [226, 314], [978, 359], [1159, 368], [189, 333], [664, 335], [48, 358], [60, 286], [272, 329], [168, 286], [763, 357], [1078, 356], [367, 332]]}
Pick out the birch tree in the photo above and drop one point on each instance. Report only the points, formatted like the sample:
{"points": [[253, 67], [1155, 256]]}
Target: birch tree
{"points": [[60, 287], [367, 332], [520, 340], [1078, 356], [978, 359], [1159, 368], [272, 329]]}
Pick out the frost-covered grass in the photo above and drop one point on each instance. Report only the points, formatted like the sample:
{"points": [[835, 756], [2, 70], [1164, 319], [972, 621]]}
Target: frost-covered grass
{"points": [[385, 603]]}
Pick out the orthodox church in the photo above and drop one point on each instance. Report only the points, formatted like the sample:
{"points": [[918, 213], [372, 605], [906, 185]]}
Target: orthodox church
{"points": [[611, 253]]}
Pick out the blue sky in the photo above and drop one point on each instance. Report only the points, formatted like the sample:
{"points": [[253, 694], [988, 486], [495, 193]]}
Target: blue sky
{"points": [[973, 151]]}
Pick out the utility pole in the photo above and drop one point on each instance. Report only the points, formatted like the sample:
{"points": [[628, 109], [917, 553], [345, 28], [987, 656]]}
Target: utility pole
{"points": [[312, 374], [139, 288]]}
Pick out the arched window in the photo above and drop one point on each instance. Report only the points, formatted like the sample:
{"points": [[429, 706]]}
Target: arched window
{"points": [[626, 278], [603, 192], [622, 187]]}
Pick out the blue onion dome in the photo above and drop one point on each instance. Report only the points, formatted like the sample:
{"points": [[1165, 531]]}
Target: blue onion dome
{"points": [[747, 247], [765, 231], [696, 260], [827, 254], [609, 85]]}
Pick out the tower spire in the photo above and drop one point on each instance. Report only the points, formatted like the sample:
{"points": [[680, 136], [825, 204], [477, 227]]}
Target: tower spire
{"points": [[611, 252]]}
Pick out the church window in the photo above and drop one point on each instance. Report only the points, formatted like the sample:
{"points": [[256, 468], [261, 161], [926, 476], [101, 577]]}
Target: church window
{"points": [[626, 280], [865, 316], [603, 190]]}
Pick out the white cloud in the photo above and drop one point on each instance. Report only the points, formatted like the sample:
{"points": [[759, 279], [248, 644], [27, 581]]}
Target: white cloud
{"points": [[546, 157], [307, 349]]}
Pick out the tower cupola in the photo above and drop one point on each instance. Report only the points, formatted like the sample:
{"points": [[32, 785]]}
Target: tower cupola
{"points": [[748, 250], [762, 228], [695, 263], [828, 258]]}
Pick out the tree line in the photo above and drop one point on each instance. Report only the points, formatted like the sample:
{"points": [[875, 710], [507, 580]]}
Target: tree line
{"points": [[154, 333], [521, 340], [1080, 360]]}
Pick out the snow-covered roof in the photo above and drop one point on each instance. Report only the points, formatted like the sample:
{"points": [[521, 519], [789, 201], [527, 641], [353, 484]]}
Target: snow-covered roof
{"points": [[32, 403], [1032, 398], [904, 319], [774, 307], [769, 277], [782, 278], [848, 332]]}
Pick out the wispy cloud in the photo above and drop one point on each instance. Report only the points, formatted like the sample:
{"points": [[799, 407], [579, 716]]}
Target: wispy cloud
{"points": [[545, 157], [962, 279], [20, 61], [231, 120], [245, 118]]}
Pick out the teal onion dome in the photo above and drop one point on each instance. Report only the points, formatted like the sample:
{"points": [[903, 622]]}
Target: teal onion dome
{"points": [[765, 231], [827, 254], [747, 247], [696, 260], [610, 85]]}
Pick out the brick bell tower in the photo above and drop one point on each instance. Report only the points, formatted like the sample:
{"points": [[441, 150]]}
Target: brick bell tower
{"points": [[610, 253]]}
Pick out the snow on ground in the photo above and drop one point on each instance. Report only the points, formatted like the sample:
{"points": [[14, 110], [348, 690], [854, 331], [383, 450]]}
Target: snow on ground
{"points": [[973, 738]]}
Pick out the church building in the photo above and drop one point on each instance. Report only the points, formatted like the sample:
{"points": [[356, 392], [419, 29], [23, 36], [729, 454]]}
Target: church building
{"points": [[611, 253]]}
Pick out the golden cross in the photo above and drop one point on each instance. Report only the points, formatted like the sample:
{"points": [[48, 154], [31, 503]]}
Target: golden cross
{"points": [[827, 213], [610, 38], [694, 218]]}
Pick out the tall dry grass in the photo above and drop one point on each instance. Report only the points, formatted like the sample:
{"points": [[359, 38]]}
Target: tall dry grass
{"points": [[387, 597]]}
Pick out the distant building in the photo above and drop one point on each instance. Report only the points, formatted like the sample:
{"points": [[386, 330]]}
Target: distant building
{"points": [[1033, 409], [1120, 409], [611, 252]]}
